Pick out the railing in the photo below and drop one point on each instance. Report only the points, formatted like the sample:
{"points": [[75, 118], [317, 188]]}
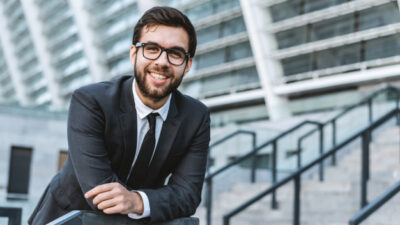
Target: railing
{"points": [[375, 205], [296, 176], [228, 137], [273, 142], [13, 214], [367, 100], [87, 217], [253, 153]]}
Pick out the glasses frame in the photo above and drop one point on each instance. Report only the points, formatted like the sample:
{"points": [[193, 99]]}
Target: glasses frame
{"points": [[167, 50]]}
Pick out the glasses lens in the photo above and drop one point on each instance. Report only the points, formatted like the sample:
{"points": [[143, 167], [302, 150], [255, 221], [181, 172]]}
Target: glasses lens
{"points": [[151, 51], [176, 56]]}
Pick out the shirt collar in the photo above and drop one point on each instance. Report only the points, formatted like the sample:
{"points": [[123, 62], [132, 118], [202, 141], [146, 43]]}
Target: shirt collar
{"points": [[142, 110]]}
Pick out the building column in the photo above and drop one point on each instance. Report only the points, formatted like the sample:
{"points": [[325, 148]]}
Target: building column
{"points": [[263, 45], [94, 54], [12, 61], [31, 12]]}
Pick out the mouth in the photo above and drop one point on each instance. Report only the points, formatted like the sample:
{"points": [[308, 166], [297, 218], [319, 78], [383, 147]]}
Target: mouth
{"points": [[158, 76]]}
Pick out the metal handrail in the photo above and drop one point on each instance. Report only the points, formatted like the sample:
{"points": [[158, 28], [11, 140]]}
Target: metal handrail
{"points": [[226, 138], [296, 176], [375, 205], [367, 99], [273, 142], [252, 153]]}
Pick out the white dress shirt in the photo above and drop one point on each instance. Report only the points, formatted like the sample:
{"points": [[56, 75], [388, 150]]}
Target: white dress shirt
{"points": [[142, 111]]}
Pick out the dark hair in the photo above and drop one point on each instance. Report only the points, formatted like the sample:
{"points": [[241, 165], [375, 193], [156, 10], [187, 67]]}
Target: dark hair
{"points": [[162, 15]]}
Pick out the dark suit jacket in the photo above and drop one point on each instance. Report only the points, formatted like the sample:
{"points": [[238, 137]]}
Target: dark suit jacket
{"points": [[102, 144]]}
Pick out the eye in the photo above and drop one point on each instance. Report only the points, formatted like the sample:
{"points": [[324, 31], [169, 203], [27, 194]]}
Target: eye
{"points": [[152, 48], [176, 53]]}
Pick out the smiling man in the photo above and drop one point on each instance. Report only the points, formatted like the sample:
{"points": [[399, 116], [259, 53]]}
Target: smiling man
{"points": [[128, 135]]}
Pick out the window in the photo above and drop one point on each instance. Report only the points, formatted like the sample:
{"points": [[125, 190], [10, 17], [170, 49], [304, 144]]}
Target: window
{"points": [[297, 64], [19, 172], [333, 27], [62, 157], [220, 56], [289, 38], [292, 8], [379, 16], [382, 47], [224, 29]]}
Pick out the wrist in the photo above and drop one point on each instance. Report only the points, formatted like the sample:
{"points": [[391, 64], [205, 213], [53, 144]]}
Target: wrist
{"points": [[138, 206]]}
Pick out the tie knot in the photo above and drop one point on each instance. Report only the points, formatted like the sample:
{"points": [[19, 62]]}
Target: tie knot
{"points": [[152, 120]]}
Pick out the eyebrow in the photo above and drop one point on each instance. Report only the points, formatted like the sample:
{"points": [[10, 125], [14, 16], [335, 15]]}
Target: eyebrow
{"points": [[174, 47]]}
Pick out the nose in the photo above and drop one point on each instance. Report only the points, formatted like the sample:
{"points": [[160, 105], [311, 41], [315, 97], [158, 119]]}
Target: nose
{"points": [[162, 59]]}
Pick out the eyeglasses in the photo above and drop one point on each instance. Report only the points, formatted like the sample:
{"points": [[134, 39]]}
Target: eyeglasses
{"points": [[152, 51]]}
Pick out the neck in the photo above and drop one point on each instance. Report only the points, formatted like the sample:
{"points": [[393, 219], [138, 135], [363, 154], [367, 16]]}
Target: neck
{"points": [[150, 102]]}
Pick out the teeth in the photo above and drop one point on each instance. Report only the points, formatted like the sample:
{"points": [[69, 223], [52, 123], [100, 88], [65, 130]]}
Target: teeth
{"points": [[158, 76]]}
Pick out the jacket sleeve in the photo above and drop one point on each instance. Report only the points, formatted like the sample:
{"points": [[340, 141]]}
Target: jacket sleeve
{"points": [[87, 149], [182, 195]]}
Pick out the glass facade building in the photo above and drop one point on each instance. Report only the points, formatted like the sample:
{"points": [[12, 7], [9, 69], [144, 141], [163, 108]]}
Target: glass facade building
{"points": [[7, 91], [19, 44], [256, 59]]}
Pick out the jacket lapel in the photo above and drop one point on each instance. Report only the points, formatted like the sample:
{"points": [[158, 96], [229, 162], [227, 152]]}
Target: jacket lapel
{"points": [[128, 125]]}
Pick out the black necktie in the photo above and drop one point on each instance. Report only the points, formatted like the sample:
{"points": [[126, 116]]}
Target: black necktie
{"points": [[142, 163]]}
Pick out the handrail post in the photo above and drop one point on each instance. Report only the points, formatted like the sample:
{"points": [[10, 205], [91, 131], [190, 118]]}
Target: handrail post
{"points": [[364, 167], [321, 151], [209, 159], [226, 220], [299, 153], [397, 106], [209, 200], [254, 163], [296, 210], [333, 163], [370, 117], [274, 203]]}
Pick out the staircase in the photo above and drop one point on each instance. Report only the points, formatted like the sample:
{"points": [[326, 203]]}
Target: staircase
{"points": [[331, 202]]}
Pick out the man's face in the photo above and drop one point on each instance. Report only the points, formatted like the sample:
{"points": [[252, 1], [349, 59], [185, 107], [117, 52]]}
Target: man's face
{"points": [[157, 78]]}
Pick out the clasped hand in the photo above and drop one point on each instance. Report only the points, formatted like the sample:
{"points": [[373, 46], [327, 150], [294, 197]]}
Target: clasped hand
{"points": [[114, 198]]}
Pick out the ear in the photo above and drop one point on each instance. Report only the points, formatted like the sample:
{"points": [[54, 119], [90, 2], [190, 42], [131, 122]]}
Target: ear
{"points": [[132, 54], [189, 65]]}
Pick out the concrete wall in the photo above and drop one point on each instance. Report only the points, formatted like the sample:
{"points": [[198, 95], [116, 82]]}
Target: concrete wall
{"points": [[44, 132]]}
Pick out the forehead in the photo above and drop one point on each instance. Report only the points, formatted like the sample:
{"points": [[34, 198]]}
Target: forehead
{"points": [[165, 36]]}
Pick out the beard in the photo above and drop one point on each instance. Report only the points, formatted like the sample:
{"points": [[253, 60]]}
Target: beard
{"points": [[158, 93]]}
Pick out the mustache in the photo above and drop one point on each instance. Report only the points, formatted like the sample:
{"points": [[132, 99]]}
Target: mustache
{"points": [[160, 69]]}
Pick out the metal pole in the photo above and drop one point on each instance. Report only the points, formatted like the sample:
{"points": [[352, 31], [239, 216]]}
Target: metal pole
{"points": [[299, 153], [254, 163], [370, 116], [209, 160], [226, 220], [398, 114], [209, 200], [321, 151], [296, 210], [333, 163], [364, 168], [274, 203], [397, 106]]}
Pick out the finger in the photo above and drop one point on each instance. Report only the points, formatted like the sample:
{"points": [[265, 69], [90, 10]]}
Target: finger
{"points": [[107, 204], [102, 197], [99, 189], [114, 209]]}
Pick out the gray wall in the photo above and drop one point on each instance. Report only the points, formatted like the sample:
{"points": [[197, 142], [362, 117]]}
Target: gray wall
{"points": [[44, 132]]}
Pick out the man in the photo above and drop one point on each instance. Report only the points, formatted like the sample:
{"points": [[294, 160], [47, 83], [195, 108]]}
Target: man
{"points": [[127, 136]]}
